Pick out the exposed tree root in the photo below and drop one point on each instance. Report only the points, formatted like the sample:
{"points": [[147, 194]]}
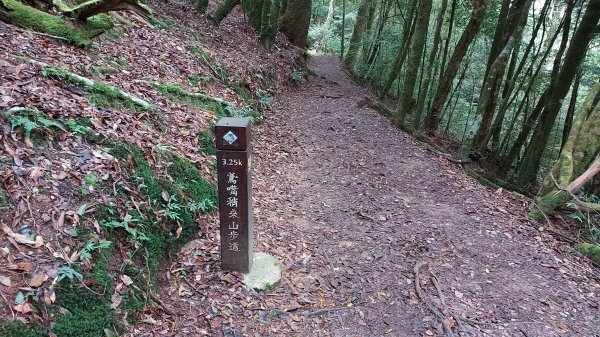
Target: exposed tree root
{"points": [[438, 314]]}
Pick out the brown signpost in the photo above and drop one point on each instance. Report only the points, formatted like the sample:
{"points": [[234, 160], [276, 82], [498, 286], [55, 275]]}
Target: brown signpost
{"points": [[234, 166]]}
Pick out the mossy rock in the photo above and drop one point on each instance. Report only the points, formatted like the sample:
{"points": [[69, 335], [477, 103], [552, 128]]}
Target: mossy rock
{"points": [[592, 251], [28, 17], [18, 329]]}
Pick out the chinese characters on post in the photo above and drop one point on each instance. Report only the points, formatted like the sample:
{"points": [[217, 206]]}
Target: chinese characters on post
{"points": [[232, 137]]}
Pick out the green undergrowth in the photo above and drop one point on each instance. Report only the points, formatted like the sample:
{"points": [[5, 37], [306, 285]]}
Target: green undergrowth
{"points": [[99, 94], [79, 34], [167, 221], [207, 60], [88, 314], [205, 102], [592, 251], [18, 329], [146, 233], [207, 142], [33, 122]]}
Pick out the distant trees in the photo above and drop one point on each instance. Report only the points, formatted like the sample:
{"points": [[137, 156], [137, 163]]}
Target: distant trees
{"points": [[506, 80]]}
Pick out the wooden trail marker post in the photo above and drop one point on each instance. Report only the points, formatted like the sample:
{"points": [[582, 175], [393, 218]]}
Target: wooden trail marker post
{"points": [[234, 167]]}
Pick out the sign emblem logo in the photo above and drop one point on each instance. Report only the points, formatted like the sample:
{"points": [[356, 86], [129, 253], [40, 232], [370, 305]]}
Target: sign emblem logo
{"points": [[230, 137]]}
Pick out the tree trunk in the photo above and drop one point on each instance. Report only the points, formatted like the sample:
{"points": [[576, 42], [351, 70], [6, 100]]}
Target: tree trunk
{"points": [[578, 158], [430, 65], [296, 21], [226, 7], [201, 6], [571, 110], [94, 7], [433, 119], [330, 10], [357, 33], [406, 102], [407, 31], [510, 30], [557, 91]]}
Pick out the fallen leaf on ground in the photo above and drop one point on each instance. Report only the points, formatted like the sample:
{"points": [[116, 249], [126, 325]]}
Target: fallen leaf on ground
{"points": [[4, 280], [20, 238], [38, 280]]}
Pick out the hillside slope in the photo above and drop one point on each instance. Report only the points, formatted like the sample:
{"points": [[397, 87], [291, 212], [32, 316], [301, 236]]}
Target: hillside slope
{"points": [[103, 179]]}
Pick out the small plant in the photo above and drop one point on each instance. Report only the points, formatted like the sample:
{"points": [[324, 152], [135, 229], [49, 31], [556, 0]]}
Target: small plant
{"points": [[68, 272], [590, 219], [75, 127], [203, 206], [173, 209], [91, 180], [129, 224], [297, 77], [86, 252], [30, 120]]}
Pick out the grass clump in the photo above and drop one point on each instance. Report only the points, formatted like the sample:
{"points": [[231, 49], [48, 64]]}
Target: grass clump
{"points": [[31, 18], [99, 94], [159, 24], [209, 61]]}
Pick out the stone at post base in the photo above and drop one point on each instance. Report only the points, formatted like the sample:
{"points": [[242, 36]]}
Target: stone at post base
{"points": [[264, 273]]}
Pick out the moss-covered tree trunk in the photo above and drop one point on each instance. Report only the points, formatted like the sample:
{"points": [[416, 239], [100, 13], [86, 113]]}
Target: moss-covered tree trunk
{"points": [[253, 10], [226, 7], [296, 21], [406, 102], [270, 19], [578, 158], [201, 6], [359, 28]]}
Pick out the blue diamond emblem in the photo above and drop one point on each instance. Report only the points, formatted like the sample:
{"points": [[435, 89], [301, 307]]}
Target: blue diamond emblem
{"points": [[230, 137]]}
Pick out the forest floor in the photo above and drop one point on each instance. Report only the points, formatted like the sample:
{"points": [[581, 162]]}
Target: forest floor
{"points": [[353, 207]]}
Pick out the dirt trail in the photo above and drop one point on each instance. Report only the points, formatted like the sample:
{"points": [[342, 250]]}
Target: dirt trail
{"points": [[351, 205]]}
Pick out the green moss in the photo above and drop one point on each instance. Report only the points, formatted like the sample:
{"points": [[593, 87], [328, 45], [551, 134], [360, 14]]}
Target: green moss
{"points": [[3, 199], [88, 313], [159, 24], [204, 102], [207, 142], [209, 61], [30, 18], [189, 186], [591, 251], [547, 204], [18, 329], [99, 93], [187, 176]]}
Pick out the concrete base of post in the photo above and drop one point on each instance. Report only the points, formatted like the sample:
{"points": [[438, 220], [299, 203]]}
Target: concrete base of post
{"points": [[264, 274]]}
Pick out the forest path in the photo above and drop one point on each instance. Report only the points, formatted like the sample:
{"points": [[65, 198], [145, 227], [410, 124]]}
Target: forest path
{"points": [[351, 205]]}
